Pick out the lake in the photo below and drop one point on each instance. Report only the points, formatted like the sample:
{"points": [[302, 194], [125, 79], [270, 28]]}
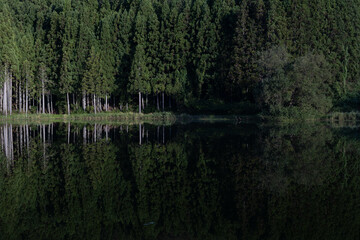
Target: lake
{"points": [[185, 181]]}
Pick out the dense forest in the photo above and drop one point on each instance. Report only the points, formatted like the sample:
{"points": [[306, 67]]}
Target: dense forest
{"points": [[279, 57]]}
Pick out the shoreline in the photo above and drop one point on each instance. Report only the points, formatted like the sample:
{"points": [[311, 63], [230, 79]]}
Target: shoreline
{"points": [[121, 117]]}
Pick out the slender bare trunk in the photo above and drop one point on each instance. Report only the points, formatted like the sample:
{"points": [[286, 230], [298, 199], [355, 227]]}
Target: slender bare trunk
{"points": [[43, 95], [163, 101], [26, 98], [10, 94], [52, 106], [84, 100], [94, 103], [139, 102], [142, 103], [20, 97], [68, 103], [5, 92], [48, 103], [157, 102]]}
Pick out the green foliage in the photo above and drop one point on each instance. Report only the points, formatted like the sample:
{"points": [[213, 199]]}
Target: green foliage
{"points": [[190, 50], [294, 85]]}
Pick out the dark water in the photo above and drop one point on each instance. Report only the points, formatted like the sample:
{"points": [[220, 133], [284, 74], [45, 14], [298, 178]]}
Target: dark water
{"points": [[195, 181]]}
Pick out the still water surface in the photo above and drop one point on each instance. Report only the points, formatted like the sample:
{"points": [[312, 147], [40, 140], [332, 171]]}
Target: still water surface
{"points": [[194, 181]]}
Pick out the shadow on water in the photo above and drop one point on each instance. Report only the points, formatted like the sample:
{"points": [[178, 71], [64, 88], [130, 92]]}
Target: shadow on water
{"points": [[194, 181]]}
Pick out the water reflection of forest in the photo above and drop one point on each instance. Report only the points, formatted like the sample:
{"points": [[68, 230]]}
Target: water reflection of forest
{"points": [[198, 181]]}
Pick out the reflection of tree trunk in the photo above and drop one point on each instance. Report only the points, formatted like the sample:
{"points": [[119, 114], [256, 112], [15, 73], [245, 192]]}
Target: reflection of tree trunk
{"points": [[163, 130], [143, 131], [106, 132], [140, 134], [7, 144], [44, 145], [27, 140], [49, 133], [68, 132], [21, 138], [95, 133], [157, 133]]}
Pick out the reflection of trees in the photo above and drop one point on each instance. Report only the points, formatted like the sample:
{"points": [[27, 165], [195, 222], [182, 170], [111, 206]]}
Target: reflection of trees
{"points": [[293, 187], [297, 182]]}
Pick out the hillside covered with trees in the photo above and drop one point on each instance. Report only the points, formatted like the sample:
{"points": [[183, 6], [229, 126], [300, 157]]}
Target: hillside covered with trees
{"points": [[278, 57]]}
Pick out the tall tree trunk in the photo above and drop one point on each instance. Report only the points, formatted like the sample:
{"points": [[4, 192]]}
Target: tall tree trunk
{"points": [[39, 106], [68, 103], [94, 103], [142, 103], [106, 103], [51, 102], [43, 95], [10, 93], [48, 103], [84, 100], [24, 98], [20, 97], [139, 102], [163, 101], [5, 93], [157, 102]]}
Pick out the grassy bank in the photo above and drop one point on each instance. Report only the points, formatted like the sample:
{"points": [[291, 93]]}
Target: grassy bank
{"points": [[113, 117]]}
